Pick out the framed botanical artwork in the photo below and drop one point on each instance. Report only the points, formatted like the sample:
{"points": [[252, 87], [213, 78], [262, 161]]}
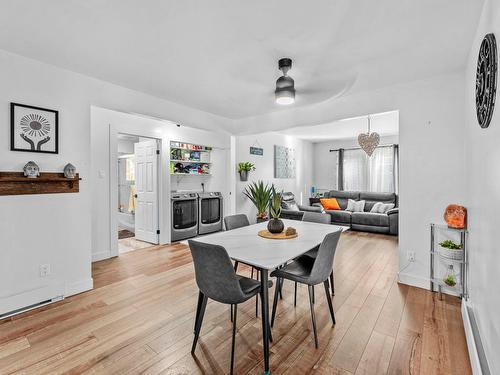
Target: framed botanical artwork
{"points": [[34, 129]]}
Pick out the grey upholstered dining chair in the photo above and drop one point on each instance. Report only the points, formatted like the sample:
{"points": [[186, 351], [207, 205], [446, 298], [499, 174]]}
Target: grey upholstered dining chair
{"points": [[310, 271], [321, 218], [217, 280], [235, 222]]}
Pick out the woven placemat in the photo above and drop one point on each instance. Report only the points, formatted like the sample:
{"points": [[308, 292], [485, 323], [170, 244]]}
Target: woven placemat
{"points": [[276, 236]]}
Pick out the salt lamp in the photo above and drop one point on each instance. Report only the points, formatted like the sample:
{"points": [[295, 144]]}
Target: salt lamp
{"points": [[455, 216]]}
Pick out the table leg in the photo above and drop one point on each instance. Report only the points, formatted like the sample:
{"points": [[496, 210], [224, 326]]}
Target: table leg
{"points": [[265, 317]]}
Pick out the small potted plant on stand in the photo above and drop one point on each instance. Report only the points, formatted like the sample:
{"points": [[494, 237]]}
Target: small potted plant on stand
{"points": [[450, 250], [260, 195], [244, 168], [275, 225]]}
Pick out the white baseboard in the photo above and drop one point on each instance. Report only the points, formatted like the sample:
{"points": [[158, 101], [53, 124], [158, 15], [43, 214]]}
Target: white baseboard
{"points": [[79, 287], [101, 255], [412, 280], [471, 341]]}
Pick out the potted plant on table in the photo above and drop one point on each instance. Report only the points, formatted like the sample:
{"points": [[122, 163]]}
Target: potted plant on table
{"points": [[244, 168], [275, 225], [260, 195]]}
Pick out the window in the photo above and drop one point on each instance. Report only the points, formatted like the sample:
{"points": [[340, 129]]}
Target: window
{"points": [[130, 169], [377, 173]]}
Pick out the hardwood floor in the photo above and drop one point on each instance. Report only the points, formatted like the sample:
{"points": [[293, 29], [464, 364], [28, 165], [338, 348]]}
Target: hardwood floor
{"points": [[140, 316]]}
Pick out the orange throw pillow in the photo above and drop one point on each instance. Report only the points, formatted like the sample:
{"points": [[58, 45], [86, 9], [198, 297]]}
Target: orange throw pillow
{"points": [[330, 203]]}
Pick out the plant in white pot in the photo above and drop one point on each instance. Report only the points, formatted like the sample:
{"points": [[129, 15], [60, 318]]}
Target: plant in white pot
{"points": [[275, 225], [244, 168], [450, 250]]}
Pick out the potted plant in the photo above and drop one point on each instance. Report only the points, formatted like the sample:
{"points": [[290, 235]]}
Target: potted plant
{"points": [[450, 279], [244, 168], [275, 225], [450, 250], [260, 195]]}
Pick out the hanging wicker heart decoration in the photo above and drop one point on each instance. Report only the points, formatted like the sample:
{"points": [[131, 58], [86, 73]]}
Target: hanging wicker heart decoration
{"points": [[368, 142]]}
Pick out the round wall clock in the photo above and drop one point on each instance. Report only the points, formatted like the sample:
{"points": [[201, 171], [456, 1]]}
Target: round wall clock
{"points": [[486, 80]]}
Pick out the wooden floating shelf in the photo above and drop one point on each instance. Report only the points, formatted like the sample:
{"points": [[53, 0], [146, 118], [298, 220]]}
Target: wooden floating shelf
{"points": [[14, 183]]}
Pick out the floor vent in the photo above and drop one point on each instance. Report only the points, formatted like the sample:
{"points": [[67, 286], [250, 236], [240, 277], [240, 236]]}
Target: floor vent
{"points": [[30, 307]]}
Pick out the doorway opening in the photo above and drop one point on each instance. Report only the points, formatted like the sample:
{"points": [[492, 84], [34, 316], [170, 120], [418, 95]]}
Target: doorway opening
{"points": [[137, 214]]}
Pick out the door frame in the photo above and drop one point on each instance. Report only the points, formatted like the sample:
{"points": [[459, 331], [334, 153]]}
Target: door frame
{"points": [[113, 184]]}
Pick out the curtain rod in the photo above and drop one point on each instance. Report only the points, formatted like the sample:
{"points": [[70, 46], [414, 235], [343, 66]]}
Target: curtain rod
{"points": [[359, 148]]}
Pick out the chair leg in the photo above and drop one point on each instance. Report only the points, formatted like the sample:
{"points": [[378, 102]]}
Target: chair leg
{"points": [[236, 263], [313, 295], [331, 284], [251, 276], [197, 328], [329, 299], [198, 307], [231, 313], [313, 317], [281, 288], [257, 299], [275, 301], [234, 337], [295, 296]]}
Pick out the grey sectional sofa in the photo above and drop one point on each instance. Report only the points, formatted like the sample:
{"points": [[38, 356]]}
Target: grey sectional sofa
{"points": [[362, 221]]}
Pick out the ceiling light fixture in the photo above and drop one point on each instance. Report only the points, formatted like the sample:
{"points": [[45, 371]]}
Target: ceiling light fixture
{"points": [[285, 90]]}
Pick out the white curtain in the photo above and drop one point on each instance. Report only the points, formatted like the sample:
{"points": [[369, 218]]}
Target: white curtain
{"points": [[381, 170], [355, 170], [375, 173]]}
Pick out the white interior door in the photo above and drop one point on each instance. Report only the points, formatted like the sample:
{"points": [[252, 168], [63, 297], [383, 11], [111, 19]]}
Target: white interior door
{"points": [[146, 184]]}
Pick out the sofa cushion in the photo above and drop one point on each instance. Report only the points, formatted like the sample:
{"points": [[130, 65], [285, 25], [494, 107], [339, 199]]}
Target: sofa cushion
{"points": [[369, 218], [340, 216], [355, 206], [342, 197], [372, 198], [330, 203], [382, 208], [289, 205]]}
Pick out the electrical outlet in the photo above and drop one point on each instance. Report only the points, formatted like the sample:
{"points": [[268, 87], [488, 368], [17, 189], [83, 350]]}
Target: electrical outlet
{"points": [[410, 255], [44, 270]]}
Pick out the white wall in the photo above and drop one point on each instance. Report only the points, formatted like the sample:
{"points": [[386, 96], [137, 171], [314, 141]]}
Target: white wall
{"points": [[55, 229], [264, 165], [431, 138], [105, 124], [483, 198], [325, 172]]}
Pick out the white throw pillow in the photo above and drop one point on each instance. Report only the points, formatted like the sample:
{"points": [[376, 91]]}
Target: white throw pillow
{"points": [[355, 206], [382, 208]]}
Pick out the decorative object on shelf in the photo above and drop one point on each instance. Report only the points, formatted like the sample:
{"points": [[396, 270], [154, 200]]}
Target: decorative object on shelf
{"points": [[450, 250], [284, 162], [285, 90], [69, 171], [455, 216], [486, 80], [33, 129], [450, 278], [275, 225], [260, 195], [189, 159], [244, 168], [369, 141], [31, 170]]}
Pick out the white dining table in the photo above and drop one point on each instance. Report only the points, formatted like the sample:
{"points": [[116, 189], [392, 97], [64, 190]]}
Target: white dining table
{"points": [[246, 246]]}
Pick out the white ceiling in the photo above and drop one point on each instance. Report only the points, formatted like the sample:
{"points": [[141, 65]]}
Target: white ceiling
{"points": [[221, 56], [383, 123]]}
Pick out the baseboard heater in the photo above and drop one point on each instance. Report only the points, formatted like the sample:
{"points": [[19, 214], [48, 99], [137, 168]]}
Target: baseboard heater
{"points": [[30, 307], [478, 360]]}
